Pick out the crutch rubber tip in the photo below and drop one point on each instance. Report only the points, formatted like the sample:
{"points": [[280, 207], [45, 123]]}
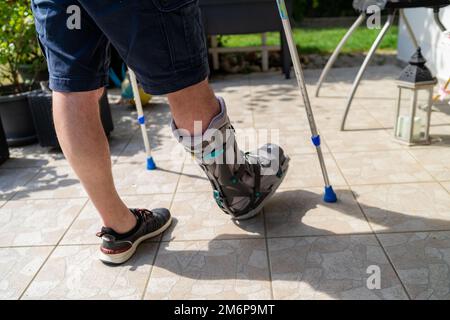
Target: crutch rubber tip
{"points": [[330, 195], [151, 165]]}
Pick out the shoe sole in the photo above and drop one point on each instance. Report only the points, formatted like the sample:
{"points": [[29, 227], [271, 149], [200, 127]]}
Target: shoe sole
{"points": [[258, 209], [119, 258]]}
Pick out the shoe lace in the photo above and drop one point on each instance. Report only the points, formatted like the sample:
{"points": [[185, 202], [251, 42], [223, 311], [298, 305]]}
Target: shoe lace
{"points": [[144, 214]]}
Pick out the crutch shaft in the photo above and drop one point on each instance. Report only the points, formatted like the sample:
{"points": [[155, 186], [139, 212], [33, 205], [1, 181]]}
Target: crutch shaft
{"points": [[329, 193], [141, 119]]}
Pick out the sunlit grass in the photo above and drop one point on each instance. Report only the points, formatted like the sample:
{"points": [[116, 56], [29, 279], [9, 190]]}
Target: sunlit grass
{"points": [[312, 40]]}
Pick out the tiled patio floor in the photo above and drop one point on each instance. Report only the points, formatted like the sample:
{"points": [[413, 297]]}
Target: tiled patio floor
{"points": [[393, 213]]}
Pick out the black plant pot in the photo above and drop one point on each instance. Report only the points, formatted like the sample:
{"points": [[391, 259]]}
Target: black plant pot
{"points": [[4, 151], [40, 102], [16, 119]]}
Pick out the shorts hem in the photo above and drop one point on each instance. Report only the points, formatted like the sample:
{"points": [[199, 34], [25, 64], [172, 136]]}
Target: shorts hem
{"points": [[77, 85], [178, 81]]}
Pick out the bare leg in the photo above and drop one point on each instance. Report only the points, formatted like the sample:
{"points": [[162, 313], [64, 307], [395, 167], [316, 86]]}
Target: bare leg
{"points": [[83, 141], [195, 103]]}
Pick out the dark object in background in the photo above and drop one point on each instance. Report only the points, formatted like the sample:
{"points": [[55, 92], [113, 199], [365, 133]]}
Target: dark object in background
{"points": [[41, 110], [222, 17], [4, 151], [16, 118], [363, 5]]}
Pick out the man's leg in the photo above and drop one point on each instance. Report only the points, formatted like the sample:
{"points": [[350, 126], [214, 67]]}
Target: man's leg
{"points": [[83, 141], [195, 103], [242, 182]]}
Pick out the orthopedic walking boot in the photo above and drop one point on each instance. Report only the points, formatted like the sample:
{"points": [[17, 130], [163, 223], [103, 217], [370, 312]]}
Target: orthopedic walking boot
{"points": [[242, 181]]}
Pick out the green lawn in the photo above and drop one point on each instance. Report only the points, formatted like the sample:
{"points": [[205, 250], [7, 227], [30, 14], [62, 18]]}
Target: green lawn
{"points": [[320, 40]]}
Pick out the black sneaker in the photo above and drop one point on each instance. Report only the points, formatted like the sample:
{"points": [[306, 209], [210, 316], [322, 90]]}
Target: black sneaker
{"points": [[118, 248]]}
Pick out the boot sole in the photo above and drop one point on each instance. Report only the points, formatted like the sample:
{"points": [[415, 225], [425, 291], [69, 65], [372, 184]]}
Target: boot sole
{"points": [[119, 258], [258, 209]]}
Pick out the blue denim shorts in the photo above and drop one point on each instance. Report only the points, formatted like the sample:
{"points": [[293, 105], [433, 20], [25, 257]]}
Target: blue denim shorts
{"points": [[163, 41]]}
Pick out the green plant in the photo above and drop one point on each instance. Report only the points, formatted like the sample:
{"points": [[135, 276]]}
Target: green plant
{"points": [[18, 44]]}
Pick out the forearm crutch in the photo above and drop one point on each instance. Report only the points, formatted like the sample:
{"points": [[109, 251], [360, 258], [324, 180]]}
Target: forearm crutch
{"points": [[141, 119], [330, 195]]}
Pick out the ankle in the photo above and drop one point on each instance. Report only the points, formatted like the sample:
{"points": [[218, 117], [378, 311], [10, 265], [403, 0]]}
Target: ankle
{"points": [[124, 223]]}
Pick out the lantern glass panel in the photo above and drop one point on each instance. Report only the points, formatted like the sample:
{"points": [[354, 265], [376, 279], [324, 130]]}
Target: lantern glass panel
{"points": [[413, 104]]}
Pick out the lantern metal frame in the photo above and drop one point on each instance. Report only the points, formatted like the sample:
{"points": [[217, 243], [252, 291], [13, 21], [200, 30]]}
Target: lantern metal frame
{"points": [[415, 88]]}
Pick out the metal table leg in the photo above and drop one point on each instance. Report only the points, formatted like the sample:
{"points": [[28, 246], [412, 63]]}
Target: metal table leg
{"points": [[338, 50], [366, 63], [438, 20]]}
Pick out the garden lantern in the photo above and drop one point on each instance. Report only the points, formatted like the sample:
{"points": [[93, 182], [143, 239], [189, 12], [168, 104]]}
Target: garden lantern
{"points": [[416, 83]]}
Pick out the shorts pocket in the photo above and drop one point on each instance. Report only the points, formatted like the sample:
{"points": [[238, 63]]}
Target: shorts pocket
{"points": [[170, 5], [185, 35]]}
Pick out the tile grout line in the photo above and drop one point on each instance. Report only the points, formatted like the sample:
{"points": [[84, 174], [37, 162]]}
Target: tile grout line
{"points": [[158, 246], [86, 197], [23, 185], [393, 267], [269, 265], [52, 251], [381, 245], [427, 171], [364, 214], [373, 232]]}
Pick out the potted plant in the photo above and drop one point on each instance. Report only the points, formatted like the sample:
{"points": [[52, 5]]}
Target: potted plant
{"points": [[21, 64]]}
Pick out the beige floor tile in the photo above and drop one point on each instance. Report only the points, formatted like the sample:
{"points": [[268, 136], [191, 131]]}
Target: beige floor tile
{"points": [[193, 179], [16, 161], [440, 135], [405, 207], [304, 171], [380, 167], [422, 263], [74, 272], [237, 100], [242, 121], [37, 222], [277, 105], [163, 145], [331, 268], [198, 217], [385, 115], [53, 183], [292, 121], [386, 104], [358, 119], [13, 180], [435, 161], [370, 89], [117, 143], [132, 179], [18, 267], [446, 185], [384, 111], [366, 140], [88, 223], [293, 142], [225, 269], [34, 156], [276, 99], [303, 212]]}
